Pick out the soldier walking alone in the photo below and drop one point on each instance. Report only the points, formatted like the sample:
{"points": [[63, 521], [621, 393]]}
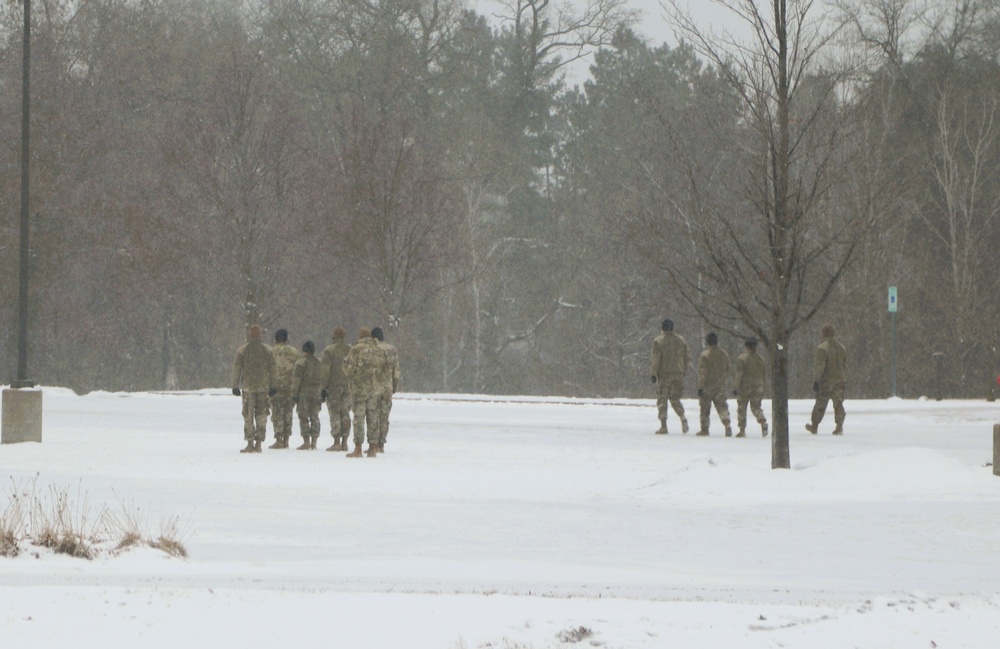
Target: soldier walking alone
{"points": [[829, 371], [670, 359], [253, 379], [751, 371], [713, 373]]}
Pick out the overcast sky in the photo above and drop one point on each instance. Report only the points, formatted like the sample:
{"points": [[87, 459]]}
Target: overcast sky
{"points": [[707, 14], [653, 23]]}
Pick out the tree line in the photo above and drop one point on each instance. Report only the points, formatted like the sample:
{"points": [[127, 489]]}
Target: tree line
{"points": [[199, 166]]}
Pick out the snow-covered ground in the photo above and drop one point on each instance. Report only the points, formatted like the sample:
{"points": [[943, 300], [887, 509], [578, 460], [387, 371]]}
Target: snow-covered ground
{"points": [[527, 523]]}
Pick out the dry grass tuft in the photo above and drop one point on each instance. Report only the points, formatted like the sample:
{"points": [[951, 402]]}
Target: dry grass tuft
{"points": [[9, 547], [74, 547], [575, 635], [129, 540], [172, 547], [66, 525]]}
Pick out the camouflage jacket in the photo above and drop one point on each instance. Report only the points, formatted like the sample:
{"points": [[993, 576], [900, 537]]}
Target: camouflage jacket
{"points": [[830, 366], [390, 380], [713, 370], [254, 369], [670, 355], [365, 367], [285, 357], [307, 375], [750, 371], [334, 379]]}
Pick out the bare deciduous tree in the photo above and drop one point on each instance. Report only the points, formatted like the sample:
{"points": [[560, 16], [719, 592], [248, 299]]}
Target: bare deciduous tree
{"points": [[401, 211], [774, 244], [888, 27], [963, 215], [236, 156]]}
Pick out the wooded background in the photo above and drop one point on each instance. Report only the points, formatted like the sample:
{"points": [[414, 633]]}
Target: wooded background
{"points": [[200, 165]]}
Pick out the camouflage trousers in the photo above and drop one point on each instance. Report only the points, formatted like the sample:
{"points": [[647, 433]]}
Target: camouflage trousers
{"points": [[668, 393], [255, 411], [281, 415], [753, 398], [706, 401], [384, 401], [308, 409], [338, 406], [826, 394], [365, 407]]}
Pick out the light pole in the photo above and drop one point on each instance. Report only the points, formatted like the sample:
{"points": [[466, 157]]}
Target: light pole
{"points": [[23, 269], [22, 405]]}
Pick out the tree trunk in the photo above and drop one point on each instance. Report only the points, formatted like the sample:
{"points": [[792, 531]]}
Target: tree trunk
{"points": [[781, 249], [780, 457], [477, 354], [446, 312], [169, 378]]}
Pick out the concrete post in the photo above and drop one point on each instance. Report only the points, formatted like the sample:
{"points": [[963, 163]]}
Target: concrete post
{"points": [[996, 449], [22, 416]]}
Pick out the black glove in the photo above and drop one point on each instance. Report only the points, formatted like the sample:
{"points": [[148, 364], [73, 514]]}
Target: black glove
{"points": [[236, 392], [272, 392], [654, 378], [701, 393], [295, 399], [815, 387], [736, 393], [323, 395]]}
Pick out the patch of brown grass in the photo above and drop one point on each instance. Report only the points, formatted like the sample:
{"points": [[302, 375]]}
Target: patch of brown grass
{"points": [[65, 525], [172, 547], [74, 546], [9, 547]]}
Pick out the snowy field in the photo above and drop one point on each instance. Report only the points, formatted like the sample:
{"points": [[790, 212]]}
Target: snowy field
{"points": [[521, 523]]}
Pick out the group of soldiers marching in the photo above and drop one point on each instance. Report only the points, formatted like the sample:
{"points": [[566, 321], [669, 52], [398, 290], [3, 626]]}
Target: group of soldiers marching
{"points": [[671, 357], [358, 379]]}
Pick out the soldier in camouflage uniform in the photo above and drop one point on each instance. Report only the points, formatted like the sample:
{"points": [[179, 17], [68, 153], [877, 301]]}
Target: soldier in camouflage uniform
{"points": [[390, 382], [670, 359], [307, 386], [365, 366], [829, 371], [749, 387], [338, 398], [285, 357], [713, 374], [254, 379]]}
